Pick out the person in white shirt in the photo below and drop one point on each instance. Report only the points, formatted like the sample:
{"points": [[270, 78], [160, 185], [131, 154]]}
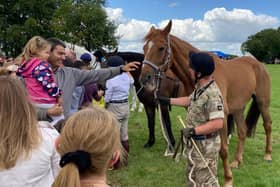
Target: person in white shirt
{"points": [[27, 152], [116, 98]]}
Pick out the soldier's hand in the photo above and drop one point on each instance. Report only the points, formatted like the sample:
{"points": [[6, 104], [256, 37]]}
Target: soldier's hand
{"points": [[188, 132], [164, 100]]}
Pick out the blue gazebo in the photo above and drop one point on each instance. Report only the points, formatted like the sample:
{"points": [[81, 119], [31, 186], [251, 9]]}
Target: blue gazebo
{"points": [[220, 54]]}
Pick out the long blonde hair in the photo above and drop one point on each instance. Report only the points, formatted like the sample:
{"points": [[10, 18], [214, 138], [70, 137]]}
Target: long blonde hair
{"points": [[93, 130], [19, 133], [31, 49]]}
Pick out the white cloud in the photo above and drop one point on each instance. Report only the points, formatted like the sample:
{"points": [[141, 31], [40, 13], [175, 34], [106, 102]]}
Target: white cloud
{"points": [[236, 25], [133, 30], [172, 5], [131, 46], [115, 15], [220, 29]]}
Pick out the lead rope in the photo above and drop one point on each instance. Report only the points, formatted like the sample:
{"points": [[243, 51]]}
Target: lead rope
{"points": [[200, 154], [192, 168], [170, 149], [130, 104]]}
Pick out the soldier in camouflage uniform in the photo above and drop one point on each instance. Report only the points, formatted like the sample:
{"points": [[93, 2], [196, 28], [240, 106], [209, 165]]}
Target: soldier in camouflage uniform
{"points": [[205, 115]]}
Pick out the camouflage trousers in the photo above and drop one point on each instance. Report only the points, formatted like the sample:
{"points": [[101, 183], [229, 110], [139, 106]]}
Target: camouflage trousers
{"points": [[198, 174]]}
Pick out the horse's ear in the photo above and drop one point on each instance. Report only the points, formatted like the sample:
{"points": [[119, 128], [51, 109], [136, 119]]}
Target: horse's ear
{"points": [[152, 29], [167, 29]]}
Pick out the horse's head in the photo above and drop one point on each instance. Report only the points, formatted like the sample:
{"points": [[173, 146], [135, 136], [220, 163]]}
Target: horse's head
{"points": [[165, 51], [157, 51]]}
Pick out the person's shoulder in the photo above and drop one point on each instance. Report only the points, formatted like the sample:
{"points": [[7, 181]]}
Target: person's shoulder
{"points": [[68, 70], [213, 89], [47, 130], [65, 68]]}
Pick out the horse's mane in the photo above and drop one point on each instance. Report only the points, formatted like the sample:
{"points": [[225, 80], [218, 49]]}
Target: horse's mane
{"points": [[155, 33]]}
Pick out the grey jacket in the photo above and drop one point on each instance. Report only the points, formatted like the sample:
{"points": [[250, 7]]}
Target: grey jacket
{"points": [[69, 78]]}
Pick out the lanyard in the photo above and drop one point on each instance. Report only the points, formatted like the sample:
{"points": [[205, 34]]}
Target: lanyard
{"points": [[198, 92]]}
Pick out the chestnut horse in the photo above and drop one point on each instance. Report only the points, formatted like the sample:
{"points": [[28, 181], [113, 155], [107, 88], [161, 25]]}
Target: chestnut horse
{"points": [[170, 87], [239, 80]]}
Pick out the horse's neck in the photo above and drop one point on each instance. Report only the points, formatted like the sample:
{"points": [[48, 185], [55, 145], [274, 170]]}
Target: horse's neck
{"points": [[180, 69], [182, 74], [180, 55], [179, 89]]}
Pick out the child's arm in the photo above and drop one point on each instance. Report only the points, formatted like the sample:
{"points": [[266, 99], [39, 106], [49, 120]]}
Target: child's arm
{"points": [[44, 75]]}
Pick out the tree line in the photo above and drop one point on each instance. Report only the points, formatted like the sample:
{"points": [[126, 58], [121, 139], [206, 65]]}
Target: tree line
{"points": [[264, 45], [82, 22]]}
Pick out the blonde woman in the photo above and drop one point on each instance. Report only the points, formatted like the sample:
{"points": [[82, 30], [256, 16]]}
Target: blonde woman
{"points": [[27, 153], [88, 145]]}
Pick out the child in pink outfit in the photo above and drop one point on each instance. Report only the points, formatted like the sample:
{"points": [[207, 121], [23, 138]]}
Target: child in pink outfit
{"points": [[38, 76]]}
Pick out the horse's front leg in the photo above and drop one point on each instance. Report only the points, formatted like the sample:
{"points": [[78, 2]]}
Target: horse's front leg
{"points": [[225, 156], [241, 130], [150, 113]]}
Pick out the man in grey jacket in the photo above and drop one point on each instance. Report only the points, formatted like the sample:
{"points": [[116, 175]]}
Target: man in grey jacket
{"points": [[69, 78]]}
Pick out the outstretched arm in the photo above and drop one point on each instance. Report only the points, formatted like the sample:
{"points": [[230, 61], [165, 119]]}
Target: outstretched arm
{"points": [[101, 75], [179, 101]]}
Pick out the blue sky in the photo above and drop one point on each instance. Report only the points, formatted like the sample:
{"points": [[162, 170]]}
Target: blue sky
{"points": [[157, 10], [207, 24]]}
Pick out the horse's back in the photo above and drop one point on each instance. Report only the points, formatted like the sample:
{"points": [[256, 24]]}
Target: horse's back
{"points": [[240, 78], [255, 66]]}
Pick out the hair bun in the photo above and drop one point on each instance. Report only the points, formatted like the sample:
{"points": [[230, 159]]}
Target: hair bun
{"points": [[80, 158]]}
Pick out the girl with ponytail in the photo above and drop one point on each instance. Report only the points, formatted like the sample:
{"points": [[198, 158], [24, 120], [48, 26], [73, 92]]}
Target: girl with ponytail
{"points": [[88, 145]]}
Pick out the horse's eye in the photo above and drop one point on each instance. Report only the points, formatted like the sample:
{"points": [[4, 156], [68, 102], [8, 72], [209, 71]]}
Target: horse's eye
{"points": [[161, 49]]}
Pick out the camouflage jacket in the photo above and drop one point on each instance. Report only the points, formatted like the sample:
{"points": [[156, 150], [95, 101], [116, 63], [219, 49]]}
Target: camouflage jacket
{"points": [[206, 104]]}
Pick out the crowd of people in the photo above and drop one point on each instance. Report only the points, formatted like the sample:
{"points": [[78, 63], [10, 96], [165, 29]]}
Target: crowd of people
{"points": [[42, 88], [54, 136]]}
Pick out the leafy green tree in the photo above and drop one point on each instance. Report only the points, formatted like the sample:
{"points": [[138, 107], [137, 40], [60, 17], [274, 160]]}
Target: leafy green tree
{"points": [[85, 23], [264, 45], [82, 22], [22, 19]]}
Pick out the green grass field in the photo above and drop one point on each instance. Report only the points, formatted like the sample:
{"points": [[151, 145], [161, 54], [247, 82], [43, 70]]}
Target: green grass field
{"points": [[149, 168]]}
